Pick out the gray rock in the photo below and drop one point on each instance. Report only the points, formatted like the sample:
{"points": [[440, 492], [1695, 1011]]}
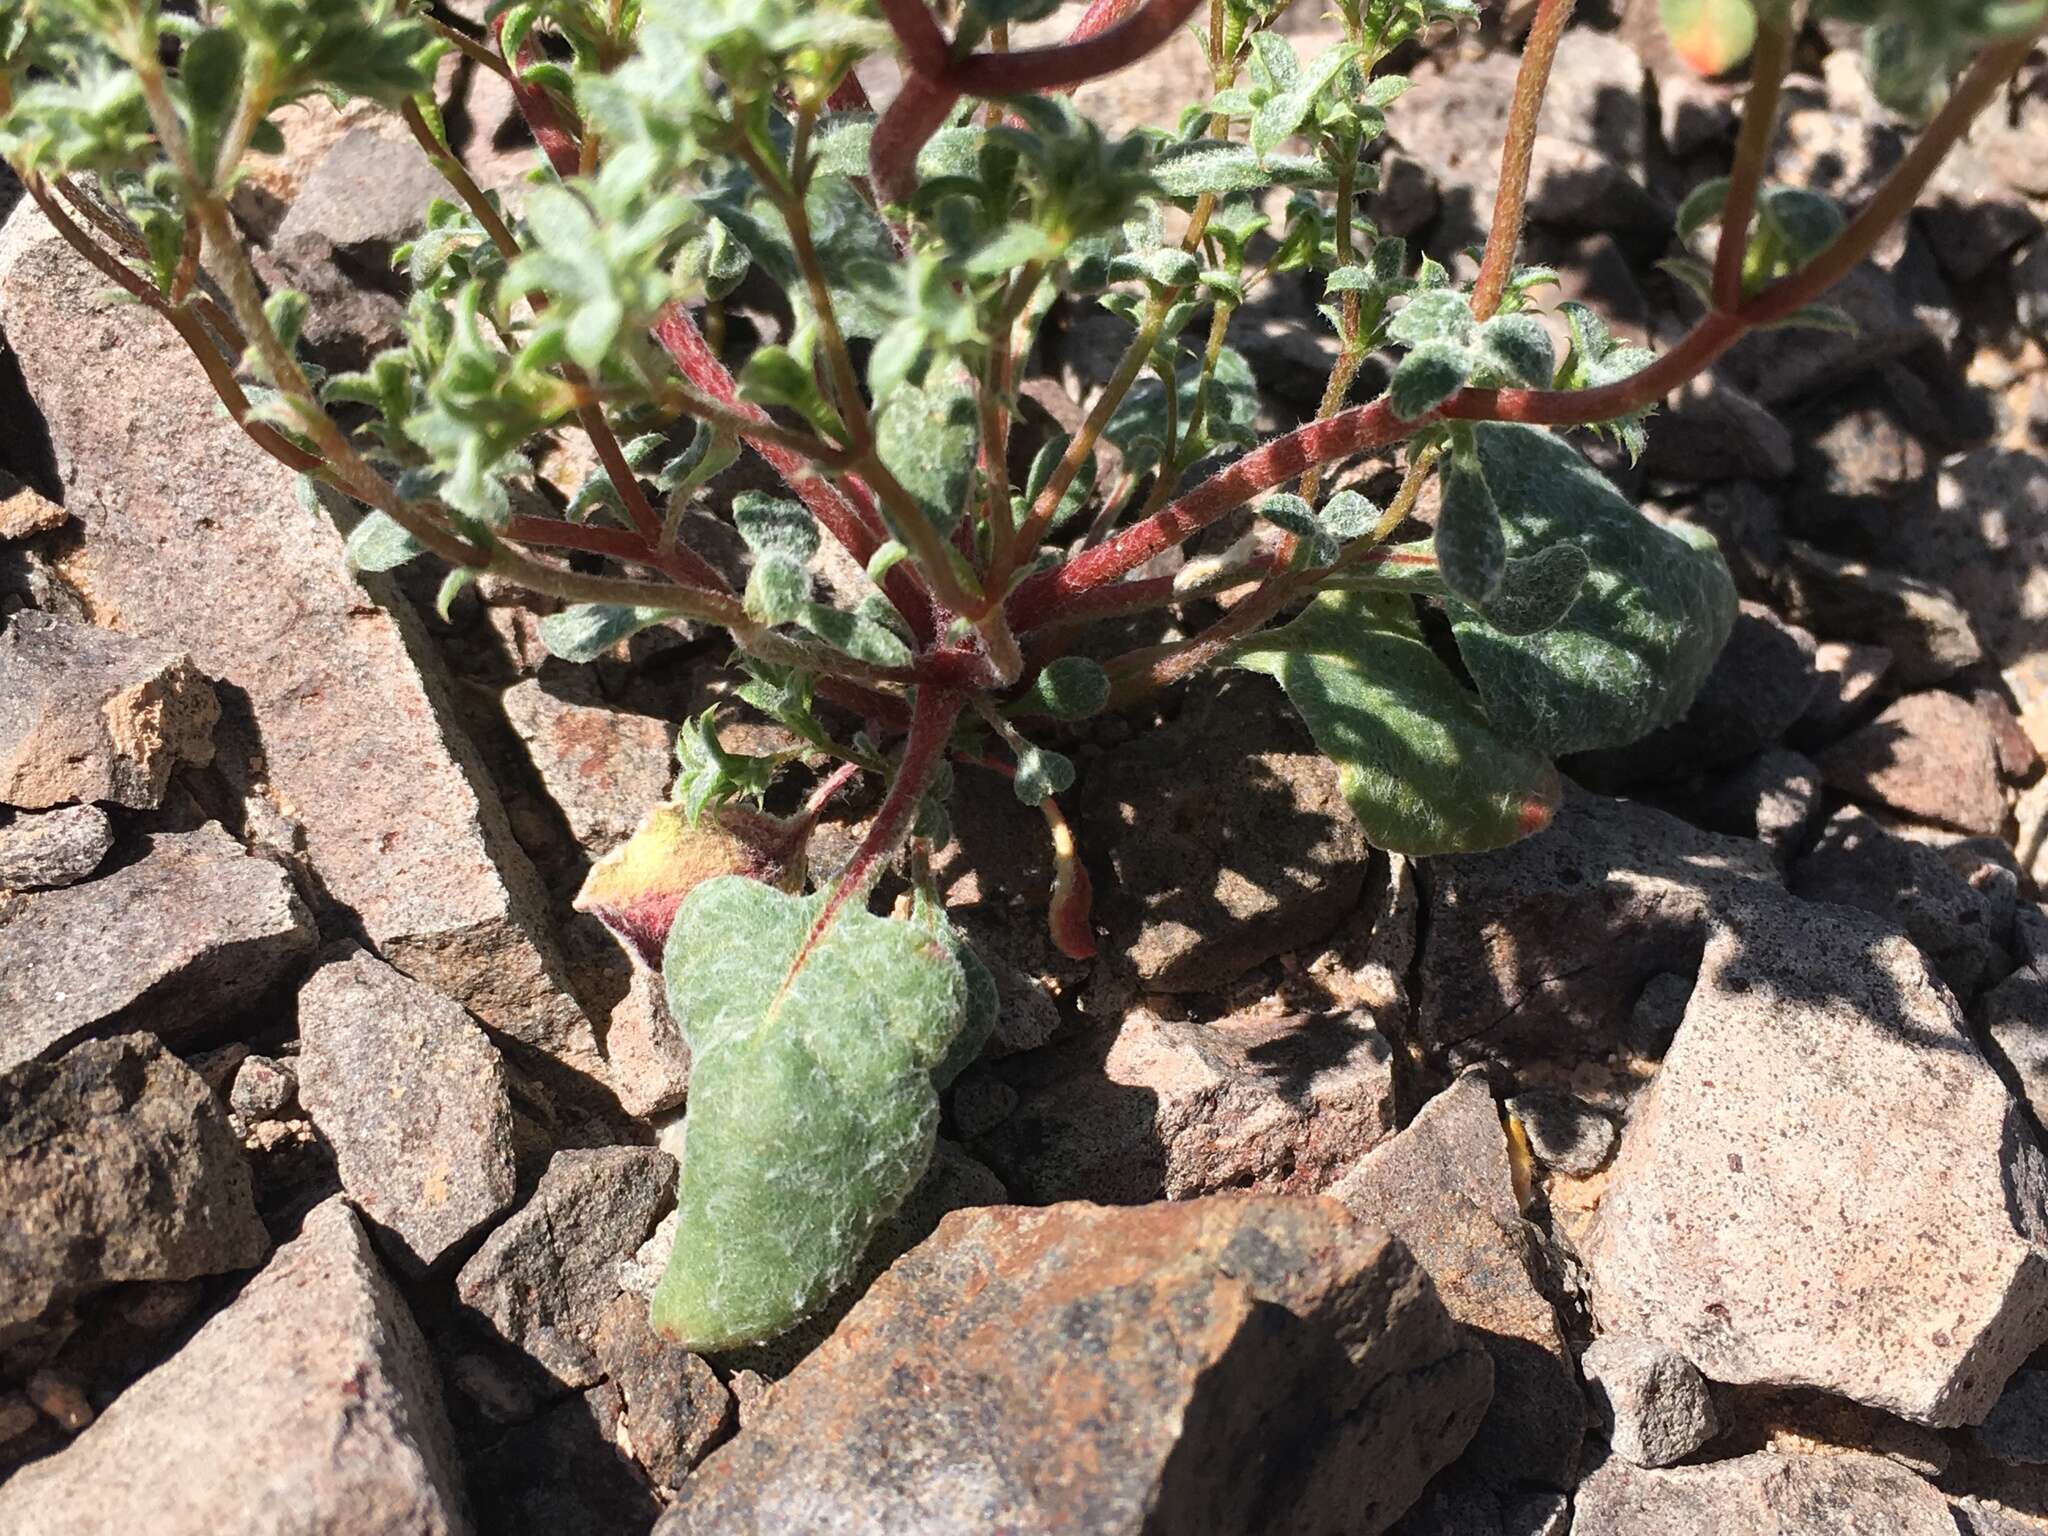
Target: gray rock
{"points": [[179, 940], [1926, 631], [648, 1062], [1542, 948], [308, 1407], [264, 1088], [545, 1278], [2012, 1019], [414, 1100], [351, 730], [2016, 1429], [1849, 676], [1711, 430], [1443, 1186], [1658, 1011], [1980, 1517], [1564, 1133], [1819, 1055], [1857, 863], [1971, 219], [1767, 1494], [1213, 874], [676, 1409], [1243, 1365], [49, 848], [116, 1164], [86, 714], [1775, 798], [2030, 288], [565, 1473], [1899, 305], [1173, 1108], [1654, 1403], [1929, 755], [1988, 543], [604, 768], [1584, 189]]}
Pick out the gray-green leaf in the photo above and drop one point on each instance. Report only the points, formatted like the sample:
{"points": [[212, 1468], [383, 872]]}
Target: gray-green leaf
{"points": [[585, 631], [1427, 377]]}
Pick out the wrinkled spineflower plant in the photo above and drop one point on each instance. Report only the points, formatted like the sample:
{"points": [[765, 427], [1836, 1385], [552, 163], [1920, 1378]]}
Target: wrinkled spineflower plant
{"points": [[688, 144]]}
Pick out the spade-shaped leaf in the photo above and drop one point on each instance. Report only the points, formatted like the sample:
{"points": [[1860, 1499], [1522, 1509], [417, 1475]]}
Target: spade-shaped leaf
{"points": [[1421, 767], [813, 1036], [1651, 614]]}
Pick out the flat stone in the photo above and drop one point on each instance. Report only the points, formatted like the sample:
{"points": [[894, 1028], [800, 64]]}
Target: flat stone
{"points": [[1248, 1364], [603, 768], [1542, 948], [193, 930], [1252, 853], [1926, 631], [648, 1061], [1280, 1103], [201, 544], [1767, 1494], [544, 1279], [1564, 1133], [25, 511], [1775, 798], [1857, 863], [116, 1164], [308, 1405], [1711, 430], [1929, 755], [1653, 1401], [1443, 1186], [676, 1409], [86, 714], [413, 1098], [50, 848], [1817, 1055]]}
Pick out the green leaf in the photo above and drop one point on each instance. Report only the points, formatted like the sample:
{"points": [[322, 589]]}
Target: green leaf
{"points": [[1654, 610], [773, 375], [859, 635], [1518, 348], [1702, 206], [1436, 314], [1417, 760], [1427, 377], [772, 523], [1348, 515], [379, 544], [210, 78], [585, 631], [813, 1035], [1713, 36], [1283, 112], [778, 589], [1804, 222], [1471, 548], [1537, 591], [1070, 688], [1040, 774], [926, 437], [451, 588]]}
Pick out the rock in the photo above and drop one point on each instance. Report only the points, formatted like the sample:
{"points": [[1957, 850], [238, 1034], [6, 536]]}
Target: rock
{"points": [[543, 1280], [1584, 189], [649, 1064], [1214, 873], [1857, 463], [1452, 122], [2016, 1429], [350, 733], [50, 848], [1710, 430], [26, 512], [1659, 1010], [1564, 1133], [1744, 519], [1774, 798], [1899, 305], [1842, 147], [1542, 948], [603, 768], [1173, 1108], [1849, 675], [1978, 1517], [1766, 1494], [308, 1405], [179, 940], [565, 1474], [2012, 1019], [414, 1100], [1988, 543], [1971, 219], [1459, 1506], [1929, 755], [676, 1408], [60, 1396], [86, 714], [116, 1164], [263, 1089], [1927, 632], [2030, 288], [1819, 1055], [1243, 1365], [1857, 863], [1653, 1402], [1444, 1188]]}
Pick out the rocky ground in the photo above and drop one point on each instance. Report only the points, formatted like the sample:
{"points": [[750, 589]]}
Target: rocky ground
{"points": [[1706, 1124]]}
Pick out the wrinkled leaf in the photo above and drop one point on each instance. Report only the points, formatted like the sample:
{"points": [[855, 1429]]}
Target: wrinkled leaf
{"points": [[1471, 548], [585, 631], [379, 544], [1427, 377], [926, 437]]}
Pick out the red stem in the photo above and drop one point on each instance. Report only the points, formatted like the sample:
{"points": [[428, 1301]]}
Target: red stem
{"points": [[1069, 63], [537, 107], [913, 117], [849, 95], [931, 726]]}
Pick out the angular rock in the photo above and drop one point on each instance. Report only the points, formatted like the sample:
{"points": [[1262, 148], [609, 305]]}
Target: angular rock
{"points": [[1849, 675], [1767, 1494], [676, 1409], [1215, 872], [86, 714], [179, 940], [1711, 430], [1172, 1108], [25, 511], [308, 1407], [1818, 1055], [1462, 1506], [1241, 1365], [1443, 1186], [413, 1098], [351, 734], [604, 768], [264, 1088], [2012, 1019], [1929, 755], [544, 1279], [1980, 1517], [1774, 798], [50, 848], [1857, 863], [2016, 1429], [116, 1164], [1542, 948], [1564, 1133], [1653, 1401], [648, 1062], [1596, 95], [565, 1474], [1988, 543], [1927, 632]]}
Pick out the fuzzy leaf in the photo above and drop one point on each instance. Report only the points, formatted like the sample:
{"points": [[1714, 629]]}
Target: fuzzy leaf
{"points": [[1041, 773], [1427, 377], [811, 1111], [1471, 549], [379, 544], [1702, 206], [636, 888], [1639, 640], [1518, 348], [585, 631], [1284, 111], [926, 437], [1421, 767], [1070, 688]]}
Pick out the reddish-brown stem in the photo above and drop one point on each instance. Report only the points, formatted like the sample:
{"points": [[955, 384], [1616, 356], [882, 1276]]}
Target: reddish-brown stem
{"points": [[1759, 118], [925, 47], [1531, 80], [849, 95], [931, 725], [913, 117], [1069, 63], [834, 782], [538, 108]]}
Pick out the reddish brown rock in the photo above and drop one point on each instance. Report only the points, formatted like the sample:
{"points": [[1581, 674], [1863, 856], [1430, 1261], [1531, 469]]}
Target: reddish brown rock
{"points": [[1243, 1365], [1929, 755], [603, 768]]}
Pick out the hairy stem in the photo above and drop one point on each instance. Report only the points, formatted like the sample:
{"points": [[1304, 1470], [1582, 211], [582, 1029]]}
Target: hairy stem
{"points": [[1531, 80], [1759, 120], [931, 724]]}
